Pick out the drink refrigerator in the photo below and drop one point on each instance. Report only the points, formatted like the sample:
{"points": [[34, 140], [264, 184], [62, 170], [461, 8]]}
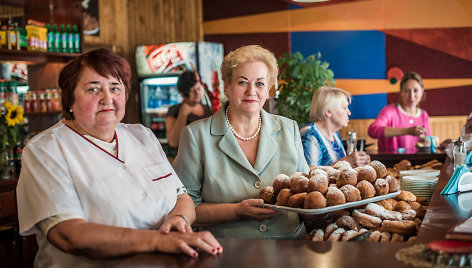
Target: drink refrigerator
{"points": [[158, 68]]}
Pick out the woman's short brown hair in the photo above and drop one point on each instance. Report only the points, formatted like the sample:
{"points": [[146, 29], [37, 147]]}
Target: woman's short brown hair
{"points": [[104, 62], [246, 54]]}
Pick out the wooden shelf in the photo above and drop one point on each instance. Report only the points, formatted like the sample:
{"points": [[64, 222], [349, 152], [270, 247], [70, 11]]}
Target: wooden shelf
{"points": [[48, 113], [34, 57]]}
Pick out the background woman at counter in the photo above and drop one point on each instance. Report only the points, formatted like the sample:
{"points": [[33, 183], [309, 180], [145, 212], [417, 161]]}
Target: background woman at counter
{"points": [[91, 186], [401, 125], [191, 108], [322, 145], [225, 160]]}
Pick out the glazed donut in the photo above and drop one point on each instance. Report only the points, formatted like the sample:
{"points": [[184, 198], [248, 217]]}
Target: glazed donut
{"points": [[315, 171], [381, 187], [351, 193], [346, 176], [411, 239], [399, 227], [414, 205], [318, 236], [397, 238], [298, 183], [366, 173], [393, 184], [380, 168], [401, 206], [421, 200], [342, 164], [334, 196], [329, 229], [402, 165], [283, 196], [348, 223], [406, 196], [297, 200], [366, 189], [385, 236], [366, 220], [318, 182], [336, 235], [332, 175], [280, 182], [348, 235], [388, 204], [379, 211], [267, 194], [314, 200], [373, 237], [408, 214]]}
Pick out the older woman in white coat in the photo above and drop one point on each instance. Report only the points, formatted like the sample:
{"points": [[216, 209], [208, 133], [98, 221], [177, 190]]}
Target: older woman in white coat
{"points": [[92, 187]]}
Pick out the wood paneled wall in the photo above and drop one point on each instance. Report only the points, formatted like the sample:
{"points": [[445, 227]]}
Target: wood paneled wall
{"points": [[442, 126], [125, 24]]}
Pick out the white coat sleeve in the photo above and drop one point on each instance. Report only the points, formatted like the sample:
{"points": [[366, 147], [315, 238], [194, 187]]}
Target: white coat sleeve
{"points": [[45, 187]]}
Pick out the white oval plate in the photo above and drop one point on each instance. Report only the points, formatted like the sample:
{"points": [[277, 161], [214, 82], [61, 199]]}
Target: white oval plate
{"points": [[332, 208]]}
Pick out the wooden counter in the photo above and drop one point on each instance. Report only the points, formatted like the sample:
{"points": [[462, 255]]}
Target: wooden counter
{"points": [[441, 215]]}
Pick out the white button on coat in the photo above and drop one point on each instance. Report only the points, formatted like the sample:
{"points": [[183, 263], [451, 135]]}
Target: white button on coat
{"points": [[262, 228], [258, 184]]}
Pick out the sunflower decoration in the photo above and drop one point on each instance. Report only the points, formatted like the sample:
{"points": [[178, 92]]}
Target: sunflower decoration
{"points": [[11, 118]]}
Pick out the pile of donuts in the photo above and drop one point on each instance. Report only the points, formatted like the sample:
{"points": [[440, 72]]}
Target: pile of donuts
{"points": [[389, 220], [329, 186]]}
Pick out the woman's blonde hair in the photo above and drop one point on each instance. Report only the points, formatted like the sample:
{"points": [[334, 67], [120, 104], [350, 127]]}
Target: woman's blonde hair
{"points": [[246, 54], [326, 98]]}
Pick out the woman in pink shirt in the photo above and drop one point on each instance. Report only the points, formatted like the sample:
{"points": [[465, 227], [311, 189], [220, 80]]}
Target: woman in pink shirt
{"points": [[402, 125]]}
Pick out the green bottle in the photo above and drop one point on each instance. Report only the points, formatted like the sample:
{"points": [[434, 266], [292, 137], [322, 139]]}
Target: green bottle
{"points": [[64, 39], [57, 39], [70, 40], [50, 38], [76, 35]]}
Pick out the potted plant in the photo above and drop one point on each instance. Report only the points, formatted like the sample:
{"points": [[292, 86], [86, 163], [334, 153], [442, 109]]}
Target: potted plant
{"points": [[299, 78]]}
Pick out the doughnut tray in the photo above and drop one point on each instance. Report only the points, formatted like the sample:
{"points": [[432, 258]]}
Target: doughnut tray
{"points": [[332, 208]]}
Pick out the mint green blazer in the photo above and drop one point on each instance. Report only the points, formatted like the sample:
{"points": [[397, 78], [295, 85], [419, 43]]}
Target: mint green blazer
{"points": [[213, 168]]}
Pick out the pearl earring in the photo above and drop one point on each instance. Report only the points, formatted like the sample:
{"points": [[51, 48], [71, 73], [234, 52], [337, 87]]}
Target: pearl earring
{"points": [[70, 110]]}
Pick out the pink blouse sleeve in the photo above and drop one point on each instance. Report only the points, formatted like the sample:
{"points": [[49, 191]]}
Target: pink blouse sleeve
{"points": [[377, 128]]}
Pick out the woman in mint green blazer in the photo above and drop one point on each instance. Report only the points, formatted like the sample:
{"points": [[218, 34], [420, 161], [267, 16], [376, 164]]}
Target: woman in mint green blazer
{"points": [[225, 160]]}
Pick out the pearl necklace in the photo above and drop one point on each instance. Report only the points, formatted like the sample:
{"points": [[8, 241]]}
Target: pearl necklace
{"points": [[237, 134]]}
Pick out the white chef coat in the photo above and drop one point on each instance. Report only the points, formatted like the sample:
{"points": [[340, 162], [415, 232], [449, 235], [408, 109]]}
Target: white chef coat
{"points": [[64, 173]]}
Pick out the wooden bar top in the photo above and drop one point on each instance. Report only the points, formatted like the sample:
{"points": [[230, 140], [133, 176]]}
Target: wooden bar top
{"points": [[442, 214]]}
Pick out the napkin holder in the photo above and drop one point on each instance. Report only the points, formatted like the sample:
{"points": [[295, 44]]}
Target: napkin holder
{"points": [[461, 181]]}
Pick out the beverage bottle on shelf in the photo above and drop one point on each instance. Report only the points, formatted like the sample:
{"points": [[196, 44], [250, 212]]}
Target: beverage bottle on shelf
{"points": [[10, 35], [22, 35], [27, 102], [57, 39], [158, 97], [64, 39], [3, 37], [34, 101], [48, 99], [42, 101], [16, 31], [70, 39], [76, 38], [50, 36], [55, 101]]}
